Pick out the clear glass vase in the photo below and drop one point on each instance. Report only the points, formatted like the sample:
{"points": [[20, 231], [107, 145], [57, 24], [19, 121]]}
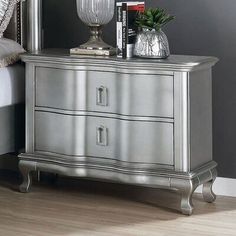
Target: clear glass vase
{"points": [[95, 14]]}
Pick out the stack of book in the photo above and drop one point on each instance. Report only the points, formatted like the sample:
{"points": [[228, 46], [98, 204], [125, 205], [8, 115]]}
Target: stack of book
{"points": [[126, 30]]}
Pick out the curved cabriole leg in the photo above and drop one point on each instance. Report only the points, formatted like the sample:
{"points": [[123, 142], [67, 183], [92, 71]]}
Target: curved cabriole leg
{"points": [[186, 201], [27, 179], [186, 187], [207, 192]]}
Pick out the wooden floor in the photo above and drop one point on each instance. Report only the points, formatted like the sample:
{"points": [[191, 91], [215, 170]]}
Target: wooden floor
{"points": [[91, 208]]}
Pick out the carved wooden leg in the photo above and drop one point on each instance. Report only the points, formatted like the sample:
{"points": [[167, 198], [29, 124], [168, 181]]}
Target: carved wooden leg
{"points": [[186, 201], [186, 187], [27, 179], [207, 192]]}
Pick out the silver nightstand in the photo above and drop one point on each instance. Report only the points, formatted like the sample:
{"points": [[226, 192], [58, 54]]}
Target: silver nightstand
{"points": [[142, 122]]}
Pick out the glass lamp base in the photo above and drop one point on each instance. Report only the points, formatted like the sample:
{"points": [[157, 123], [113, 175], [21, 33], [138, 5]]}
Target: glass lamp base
{"points": [[95, 44]]}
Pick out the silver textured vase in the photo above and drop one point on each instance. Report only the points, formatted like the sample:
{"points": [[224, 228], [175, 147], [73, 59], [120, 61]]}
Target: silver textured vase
{"points": [[151, 44]]}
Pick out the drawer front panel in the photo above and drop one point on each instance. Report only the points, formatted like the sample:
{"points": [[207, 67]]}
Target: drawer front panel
{"points": [[126, 94], [121, 140]]}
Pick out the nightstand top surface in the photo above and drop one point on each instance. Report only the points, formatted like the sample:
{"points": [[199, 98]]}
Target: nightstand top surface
{"points": [[174, 62]]}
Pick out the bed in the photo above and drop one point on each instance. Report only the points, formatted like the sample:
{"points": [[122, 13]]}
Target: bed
{"points": [[12, 85], [12, 92]]}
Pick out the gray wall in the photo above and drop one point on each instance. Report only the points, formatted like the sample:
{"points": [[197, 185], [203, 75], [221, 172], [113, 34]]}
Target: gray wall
{"points": [[202, 27]]}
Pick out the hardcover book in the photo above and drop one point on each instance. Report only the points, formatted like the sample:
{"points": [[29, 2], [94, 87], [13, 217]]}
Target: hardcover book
{"points": [[126, 29]]}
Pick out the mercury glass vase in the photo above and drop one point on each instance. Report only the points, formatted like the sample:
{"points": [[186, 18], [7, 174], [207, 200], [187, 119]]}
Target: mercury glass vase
{"points": [[151, 44], [95, 14]]}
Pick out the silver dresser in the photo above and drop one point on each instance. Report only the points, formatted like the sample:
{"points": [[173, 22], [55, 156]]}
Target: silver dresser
{"points": [[137, 121]]}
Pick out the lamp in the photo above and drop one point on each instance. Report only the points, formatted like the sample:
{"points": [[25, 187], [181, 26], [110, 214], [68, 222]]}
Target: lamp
{"points": [[95, 14]]}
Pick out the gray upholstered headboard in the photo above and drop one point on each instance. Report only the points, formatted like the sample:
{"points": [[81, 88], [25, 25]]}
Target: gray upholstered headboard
{"points": [[17, 27]]}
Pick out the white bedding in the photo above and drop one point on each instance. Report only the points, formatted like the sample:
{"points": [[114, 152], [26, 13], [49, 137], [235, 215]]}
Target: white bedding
{"points": [[12, 85]]}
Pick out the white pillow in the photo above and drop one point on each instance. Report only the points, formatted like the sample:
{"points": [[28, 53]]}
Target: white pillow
{"points": [[6, 10], [9, 52]]}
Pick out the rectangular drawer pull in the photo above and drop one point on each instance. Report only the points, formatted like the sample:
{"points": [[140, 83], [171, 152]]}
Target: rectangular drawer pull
{"points": [[102, 136], [102, 96]]}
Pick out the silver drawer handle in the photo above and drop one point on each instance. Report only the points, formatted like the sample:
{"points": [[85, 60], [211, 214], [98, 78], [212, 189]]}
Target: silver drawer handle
{"points": [[102, 96], [102, 136]]}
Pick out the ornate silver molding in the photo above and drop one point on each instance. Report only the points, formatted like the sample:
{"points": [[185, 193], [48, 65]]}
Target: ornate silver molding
{"points": [[173, 63], [185, 183]]}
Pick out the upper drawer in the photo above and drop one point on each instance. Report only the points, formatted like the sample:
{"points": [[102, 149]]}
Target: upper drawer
{"points": [[126, 94]]}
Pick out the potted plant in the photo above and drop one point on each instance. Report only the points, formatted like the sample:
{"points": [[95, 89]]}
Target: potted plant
{"points": [[151, 41]]}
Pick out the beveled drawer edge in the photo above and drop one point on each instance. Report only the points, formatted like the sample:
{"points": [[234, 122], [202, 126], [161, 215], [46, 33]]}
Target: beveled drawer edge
{"points": [[105, 115]]}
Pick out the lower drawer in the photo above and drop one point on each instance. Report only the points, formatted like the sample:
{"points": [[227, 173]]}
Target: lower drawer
{"points": [[140, 142]]}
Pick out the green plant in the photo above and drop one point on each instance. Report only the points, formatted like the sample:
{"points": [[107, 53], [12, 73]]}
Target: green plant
{"points": [[153, 18]]}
